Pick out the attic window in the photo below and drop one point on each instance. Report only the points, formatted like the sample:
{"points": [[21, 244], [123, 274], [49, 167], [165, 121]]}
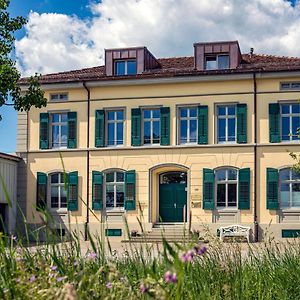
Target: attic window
{"points": [[59, 97], [290, 85], [216, 62], [125, 67]]}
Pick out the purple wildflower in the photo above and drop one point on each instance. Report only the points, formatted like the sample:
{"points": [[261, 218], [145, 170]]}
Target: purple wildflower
{"points": [[14, 237], [32, 279], [143, 288], [59, 279], [92, 255], [109, 285], [200, 251], [53, 268], [170, 277]]}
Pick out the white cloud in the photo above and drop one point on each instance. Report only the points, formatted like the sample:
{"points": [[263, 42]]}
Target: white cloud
{"points": [[56, 42]]}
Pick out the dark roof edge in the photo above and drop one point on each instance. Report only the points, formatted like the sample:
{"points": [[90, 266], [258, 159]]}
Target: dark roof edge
{"points": [[9, 156]]}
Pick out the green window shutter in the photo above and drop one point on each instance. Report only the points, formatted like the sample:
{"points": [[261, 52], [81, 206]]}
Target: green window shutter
{"points": [[208, 189], [113, 232], [136, 127], [97, 192], [44, 131], [41, 193], [100, 128], [165, 126], [274, 123], [272, 188], [73, 191], [130, 190], [72, 129], [203, 124], [242, 123], [244, 188]]}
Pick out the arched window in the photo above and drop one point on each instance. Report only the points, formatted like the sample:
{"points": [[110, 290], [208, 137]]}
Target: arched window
{"points": [[226, 187], [58, 192], [289, 188], [114, 189]]}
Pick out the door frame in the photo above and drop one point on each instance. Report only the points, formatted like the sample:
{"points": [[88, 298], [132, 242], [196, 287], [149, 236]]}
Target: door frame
{"points": [[154, 172]]}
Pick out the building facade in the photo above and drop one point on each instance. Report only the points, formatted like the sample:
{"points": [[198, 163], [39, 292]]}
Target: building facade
{"points": [[8, 192], [201, 139]]}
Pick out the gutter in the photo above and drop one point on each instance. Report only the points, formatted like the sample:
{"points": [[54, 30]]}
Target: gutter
{"points": [[255, 159], [87, 164]]}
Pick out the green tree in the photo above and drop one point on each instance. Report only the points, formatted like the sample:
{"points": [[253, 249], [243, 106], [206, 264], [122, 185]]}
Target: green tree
{"points": [[10, 92]]}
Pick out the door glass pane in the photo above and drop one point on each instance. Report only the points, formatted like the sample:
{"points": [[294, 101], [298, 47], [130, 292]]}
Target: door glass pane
{"points": [[54, 197], [63, 197], [295, 125], [296, 108], [183, 131], [232, 192], [120, 177], [110, 195], [120, 68], [55, 136], [147, 133], [54, 178], [111, 134], [285, 128], [156, 132], [211, 63], [231, 130], [120, 133], [221, 130], [296, 194], [183, 112], [284, 174], [193, 131], [64, 135], [110, 115], [156, 113], [221, 175], [131, 67], [221, 190], [232, 174], [120, 195], [120, 115], [285, 109], [284, 195], [231, 110], [193, 112], [110, 177], [221, 111], [223, 61]]}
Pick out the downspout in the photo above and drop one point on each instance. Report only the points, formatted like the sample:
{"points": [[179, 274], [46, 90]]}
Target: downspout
{"points": [[255, 159], [87, 164]]}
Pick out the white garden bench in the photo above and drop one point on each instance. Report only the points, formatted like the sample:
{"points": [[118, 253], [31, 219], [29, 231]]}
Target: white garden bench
{"points": [[235, 231]]}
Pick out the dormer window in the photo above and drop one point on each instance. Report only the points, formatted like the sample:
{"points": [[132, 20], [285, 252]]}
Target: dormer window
{"points": [[125, 67], [217, 62]]}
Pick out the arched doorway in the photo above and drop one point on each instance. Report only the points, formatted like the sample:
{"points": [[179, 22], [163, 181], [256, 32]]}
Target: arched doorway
{"points": [[173, 196]]}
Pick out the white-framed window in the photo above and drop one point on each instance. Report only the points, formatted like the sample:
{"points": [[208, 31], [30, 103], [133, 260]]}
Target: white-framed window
{"points": [[114, 189], [188, 125], [226, 188], [295, 85], [59, 97], [57, 192], [151, 126], [125, 67], [226, 123], [115, 127], [59, 129], [217, 62], [290, 121], [289, 189]]}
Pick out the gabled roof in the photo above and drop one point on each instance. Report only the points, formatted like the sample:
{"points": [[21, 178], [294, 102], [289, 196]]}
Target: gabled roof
{"points": [[177, 66]]}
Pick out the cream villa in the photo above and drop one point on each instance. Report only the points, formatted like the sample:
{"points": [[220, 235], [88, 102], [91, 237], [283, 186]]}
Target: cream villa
{"points": [[197, 140]]}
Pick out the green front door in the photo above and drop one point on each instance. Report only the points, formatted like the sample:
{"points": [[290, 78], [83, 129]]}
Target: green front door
{"points": [[172, 199]]}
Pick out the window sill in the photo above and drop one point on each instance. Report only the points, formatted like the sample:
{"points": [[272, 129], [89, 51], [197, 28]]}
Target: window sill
{"points": [[290, 210], [227, 210], [114, 210], [59, 211]]}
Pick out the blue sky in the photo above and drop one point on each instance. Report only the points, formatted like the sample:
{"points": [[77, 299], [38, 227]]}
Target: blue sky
{"points": [[8, 125], [72, 34]]}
